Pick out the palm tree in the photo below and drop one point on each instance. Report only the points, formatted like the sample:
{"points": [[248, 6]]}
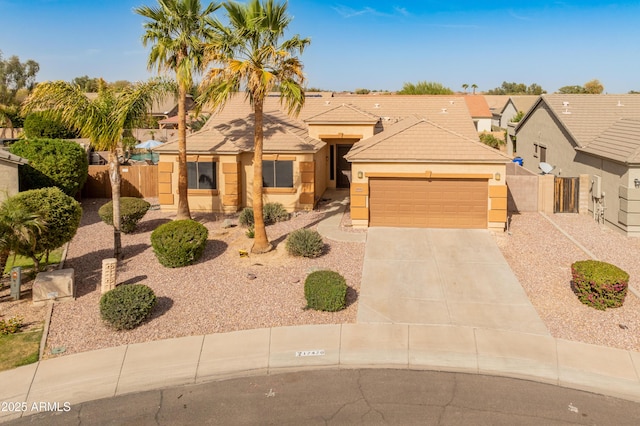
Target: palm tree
{"points": [[465, 86], [18, 228], [249, 54], [474, 87], [177, 29], [102, 120]]}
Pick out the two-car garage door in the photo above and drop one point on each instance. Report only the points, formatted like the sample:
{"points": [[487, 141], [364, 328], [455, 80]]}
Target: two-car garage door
{"points": [[428, 203]]}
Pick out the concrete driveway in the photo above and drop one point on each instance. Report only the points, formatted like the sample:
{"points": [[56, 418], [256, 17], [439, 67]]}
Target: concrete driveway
{"points": [[442, 276]]}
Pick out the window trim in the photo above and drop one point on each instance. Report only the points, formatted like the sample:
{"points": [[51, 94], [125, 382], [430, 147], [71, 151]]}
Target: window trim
{"points": [[205, 191]]}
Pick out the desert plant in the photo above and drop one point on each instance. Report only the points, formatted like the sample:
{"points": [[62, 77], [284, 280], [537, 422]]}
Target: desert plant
{"points": [[274, 212], [127, 306], [132, 210], [599, 284], [11, 325], [52, 162], [325, 291], [251, 232], [271, 212], [304, 242], [179, 243], [246, 217], [490, 140]]}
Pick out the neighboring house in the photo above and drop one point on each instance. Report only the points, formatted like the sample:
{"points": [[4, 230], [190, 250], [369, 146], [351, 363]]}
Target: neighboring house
{"points": [[9, 180], [598, 135], [407, 160], [480, 112], [496, 104], [514, 105]]}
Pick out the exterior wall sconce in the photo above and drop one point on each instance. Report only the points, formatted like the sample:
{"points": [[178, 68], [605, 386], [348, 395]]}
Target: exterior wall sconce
{"points": [[636, 182], [361, 175], [497, 176]]}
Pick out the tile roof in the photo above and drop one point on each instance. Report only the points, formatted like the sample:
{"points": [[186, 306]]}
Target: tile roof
{"points": [[496, 102], [12, 158], [585, 117], [522, 102], [344, 113], [620, 142], [420, 139], [478, 107]]}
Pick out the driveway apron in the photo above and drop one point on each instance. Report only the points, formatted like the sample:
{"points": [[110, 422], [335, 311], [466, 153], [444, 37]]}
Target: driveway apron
{"points": [[440, 277]]}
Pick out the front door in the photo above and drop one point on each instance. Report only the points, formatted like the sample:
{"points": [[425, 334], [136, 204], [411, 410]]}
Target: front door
{"points": [[343, 167]]}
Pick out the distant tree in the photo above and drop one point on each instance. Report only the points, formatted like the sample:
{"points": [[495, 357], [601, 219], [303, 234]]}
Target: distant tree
{"points": [[516, 118], [593, 87], [120, 85], [474, 87], [14, 76], [52, 162], [363, 91], [315, 90], [465, 86], [86, 83], [571, 90], [425, 88], [516, 89], [46, 125], [634, 92]]}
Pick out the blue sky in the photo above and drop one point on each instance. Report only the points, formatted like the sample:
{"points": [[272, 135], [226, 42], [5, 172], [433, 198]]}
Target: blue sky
{"points": [[378, 45]]}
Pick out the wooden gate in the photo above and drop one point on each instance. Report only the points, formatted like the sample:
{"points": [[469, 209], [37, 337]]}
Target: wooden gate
{"points": [[567, 194], [137, 181]]}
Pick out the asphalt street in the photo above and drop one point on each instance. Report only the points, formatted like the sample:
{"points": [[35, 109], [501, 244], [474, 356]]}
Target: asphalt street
{"points": [[351, 397]]}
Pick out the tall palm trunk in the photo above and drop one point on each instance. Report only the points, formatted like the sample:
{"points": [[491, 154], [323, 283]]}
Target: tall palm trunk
{"points": [[260, 243], [114, 177], [183, 202]]}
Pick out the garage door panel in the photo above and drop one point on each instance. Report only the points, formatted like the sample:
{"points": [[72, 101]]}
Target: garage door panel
{"points": [[450, 203]]}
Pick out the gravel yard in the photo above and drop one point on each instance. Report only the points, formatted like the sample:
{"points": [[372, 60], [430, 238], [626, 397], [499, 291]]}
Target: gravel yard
{"points": [[541, 257], [214, 295], [217, 294]]}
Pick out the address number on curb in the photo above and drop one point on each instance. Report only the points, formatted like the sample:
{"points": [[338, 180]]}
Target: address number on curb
{"points": [[318, 352]]}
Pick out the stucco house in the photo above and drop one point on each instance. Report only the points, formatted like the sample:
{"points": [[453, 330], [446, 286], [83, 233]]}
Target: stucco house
{"points": [[480, 112], [598, 135], [407, 161], [9, 180]]}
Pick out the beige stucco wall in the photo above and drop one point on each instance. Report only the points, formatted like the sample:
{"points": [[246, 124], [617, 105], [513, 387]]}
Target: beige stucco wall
{"points": [[615, 177], [9, 182]]}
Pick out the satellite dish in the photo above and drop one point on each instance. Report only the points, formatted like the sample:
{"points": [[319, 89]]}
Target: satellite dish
{"points": [[546, 168]]}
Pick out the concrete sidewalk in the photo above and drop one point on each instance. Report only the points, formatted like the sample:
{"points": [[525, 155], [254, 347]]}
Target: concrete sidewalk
{"points": [[197, 359]]}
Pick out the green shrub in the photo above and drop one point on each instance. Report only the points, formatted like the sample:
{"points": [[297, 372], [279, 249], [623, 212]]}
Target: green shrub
{"points": [[304, 242], [127, 306], [251, 232], [60, 213], [272, 213], [246, 217], [598, 284], [325, 291], [132, 210], [45, 125], [179, 243], [52, 162], [10, 326], [490, 140]]}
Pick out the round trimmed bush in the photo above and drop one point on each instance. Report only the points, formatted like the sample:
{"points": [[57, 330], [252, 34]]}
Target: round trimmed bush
{"points": [[325, 291], [179, 243], [127, 306], [132, 210], [304, 242], [600, 285]]}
